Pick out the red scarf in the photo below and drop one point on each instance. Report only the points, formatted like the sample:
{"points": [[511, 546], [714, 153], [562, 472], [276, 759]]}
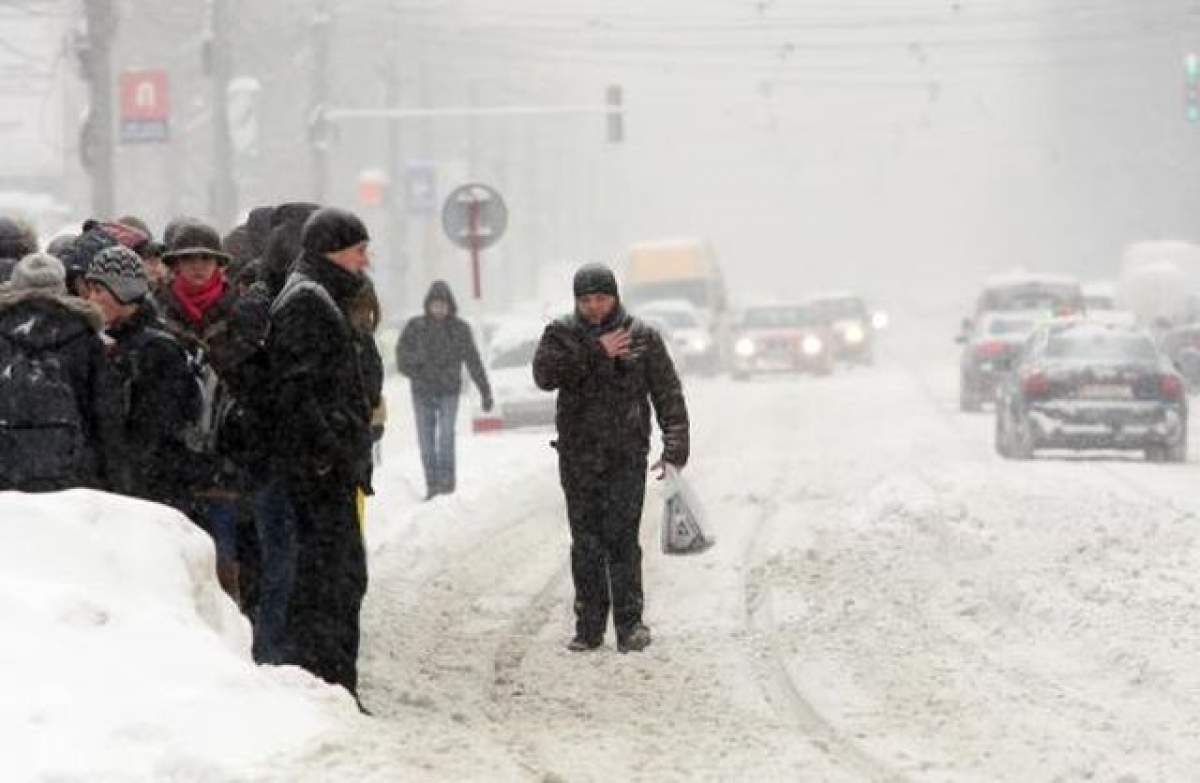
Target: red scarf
{"points": [[197, 299]]}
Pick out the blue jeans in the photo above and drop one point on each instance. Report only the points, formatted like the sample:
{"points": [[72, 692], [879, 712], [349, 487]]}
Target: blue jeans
{"points": [[218, 517], [435, 435], [276, 524]]}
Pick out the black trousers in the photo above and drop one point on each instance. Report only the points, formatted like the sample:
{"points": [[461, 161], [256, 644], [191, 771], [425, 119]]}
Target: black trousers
{"points": [[321, 632], [604, 507]]}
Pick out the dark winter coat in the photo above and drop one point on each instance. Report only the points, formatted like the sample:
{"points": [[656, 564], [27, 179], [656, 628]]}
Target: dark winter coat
{"points": [[321, 411], [155, 384], [69, 329], [603, 409], [432, 352], [214, 334]]}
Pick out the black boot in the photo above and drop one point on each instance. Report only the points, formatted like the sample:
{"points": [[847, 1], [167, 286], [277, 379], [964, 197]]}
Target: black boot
{"points": [[584, 643], [635, 639]]}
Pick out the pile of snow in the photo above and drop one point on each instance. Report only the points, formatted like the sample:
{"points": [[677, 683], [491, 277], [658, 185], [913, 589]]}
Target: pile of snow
{"points": [[122, 658]]}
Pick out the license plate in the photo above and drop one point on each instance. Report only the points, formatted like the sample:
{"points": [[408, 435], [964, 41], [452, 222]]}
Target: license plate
{"points": [[1106, 391]]}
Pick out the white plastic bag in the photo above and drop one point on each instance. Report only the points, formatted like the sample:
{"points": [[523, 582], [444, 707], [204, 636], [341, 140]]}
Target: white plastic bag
{"points": [[682, 525]]}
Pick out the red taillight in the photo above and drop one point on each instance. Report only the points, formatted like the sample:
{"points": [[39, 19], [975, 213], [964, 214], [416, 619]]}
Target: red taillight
{"points": [[1170, 387], [992, 348], [1035, 385], [487, 424]]}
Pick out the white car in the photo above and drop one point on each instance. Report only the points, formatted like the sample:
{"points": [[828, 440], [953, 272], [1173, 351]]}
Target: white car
{"points": [[518, 400], [689, 335]]}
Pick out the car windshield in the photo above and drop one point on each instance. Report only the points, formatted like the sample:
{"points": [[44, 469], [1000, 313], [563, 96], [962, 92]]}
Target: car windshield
{"points": [[675, 319], [1030, 296], [776, 317], [1010, 326], [833, 309], [518, 355], [1101, 346]]}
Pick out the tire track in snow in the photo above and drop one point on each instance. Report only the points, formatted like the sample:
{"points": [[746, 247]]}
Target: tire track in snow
{"points": [[778, 686], [462, 629]]}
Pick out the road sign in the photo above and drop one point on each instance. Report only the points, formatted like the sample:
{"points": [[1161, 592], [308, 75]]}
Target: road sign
{"points": [[420, 188], [474, 218], [145, 106]]}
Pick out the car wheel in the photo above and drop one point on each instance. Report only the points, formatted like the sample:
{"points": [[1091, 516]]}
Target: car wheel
{"points": [[967, 401], [1156, 453], [738, 375], [1178, 452], [1003, 447], [1021, 440]]}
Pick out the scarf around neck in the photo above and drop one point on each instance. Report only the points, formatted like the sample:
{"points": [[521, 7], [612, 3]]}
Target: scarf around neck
{"points": [[197, 299]]}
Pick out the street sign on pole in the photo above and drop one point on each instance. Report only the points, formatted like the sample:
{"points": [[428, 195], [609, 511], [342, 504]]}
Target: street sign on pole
{"points": [[144, 106], [474, 217]]}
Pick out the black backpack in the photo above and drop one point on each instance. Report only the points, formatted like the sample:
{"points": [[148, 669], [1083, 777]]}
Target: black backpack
{"points": [[42, 443]]}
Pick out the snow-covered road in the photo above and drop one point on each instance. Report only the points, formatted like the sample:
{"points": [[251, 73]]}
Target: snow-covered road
{"points": [[888, 600]]}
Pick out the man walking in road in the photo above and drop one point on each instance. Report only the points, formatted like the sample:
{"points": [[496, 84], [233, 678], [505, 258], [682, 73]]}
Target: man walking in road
{"points": [[432, 351], [608, 369], [322, 443]]}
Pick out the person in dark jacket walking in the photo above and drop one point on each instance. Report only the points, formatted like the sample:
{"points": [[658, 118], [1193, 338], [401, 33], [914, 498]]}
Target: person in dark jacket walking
{"points": [[156, 392], [608, 369], [55, 395], [432, 351], [322, 437]]}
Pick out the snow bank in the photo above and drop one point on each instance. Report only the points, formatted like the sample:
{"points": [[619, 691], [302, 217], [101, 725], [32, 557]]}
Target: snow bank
{"points": [[122, 657]]}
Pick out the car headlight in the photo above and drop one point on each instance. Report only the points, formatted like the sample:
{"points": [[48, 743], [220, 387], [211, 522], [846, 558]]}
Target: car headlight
{"points": [[854, 334], [880, 320], [699, 344], [812, 345], [744, 347]]}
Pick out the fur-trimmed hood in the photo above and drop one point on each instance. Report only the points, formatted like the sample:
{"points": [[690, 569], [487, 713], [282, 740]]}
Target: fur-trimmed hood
{"points": [[45, 320]]}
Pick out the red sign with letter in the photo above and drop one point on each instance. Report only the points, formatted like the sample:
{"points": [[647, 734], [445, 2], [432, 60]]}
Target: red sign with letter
{"points": [[145, 105]]}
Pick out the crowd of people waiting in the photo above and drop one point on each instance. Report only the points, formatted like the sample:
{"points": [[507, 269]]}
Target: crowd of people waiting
{"points": [[234, 378]]}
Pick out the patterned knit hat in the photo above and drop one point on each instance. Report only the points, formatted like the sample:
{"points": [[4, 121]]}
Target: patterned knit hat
{"points": [[120, 270]]}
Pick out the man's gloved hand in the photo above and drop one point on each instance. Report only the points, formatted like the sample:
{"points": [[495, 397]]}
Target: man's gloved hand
{"points": [[488, 403]]}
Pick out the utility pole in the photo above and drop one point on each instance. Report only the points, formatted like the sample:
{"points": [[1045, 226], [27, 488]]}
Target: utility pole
{"points": [[223, 192], [97, 137], [397, 201], [319, 129]]}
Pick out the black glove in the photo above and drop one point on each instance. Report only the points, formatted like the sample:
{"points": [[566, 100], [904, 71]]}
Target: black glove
{"points": [[487, 402]]}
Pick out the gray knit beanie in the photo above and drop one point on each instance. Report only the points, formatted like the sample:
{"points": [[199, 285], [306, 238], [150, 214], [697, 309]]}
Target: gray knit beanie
{"points": [[120, 270], [40, 271]]}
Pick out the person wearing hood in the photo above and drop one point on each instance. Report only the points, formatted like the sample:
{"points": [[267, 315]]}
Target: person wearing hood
{"points": [[155, 386], [322, 441], [55, 395], [609, 370], [431, 351]]}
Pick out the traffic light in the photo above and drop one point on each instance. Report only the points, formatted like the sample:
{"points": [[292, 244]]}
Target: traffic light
{"points": [[615, 118], [1191, 74]]}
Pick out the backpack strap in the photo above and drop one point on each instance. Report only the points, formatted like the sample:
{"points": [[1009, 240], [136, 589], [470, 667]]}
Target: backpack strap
{"points": [[299, 282]]}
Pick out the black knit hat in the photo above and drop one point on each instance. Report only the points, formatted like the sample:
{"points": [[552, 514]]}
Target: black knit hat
{"points": [[595, 279], [330, 229], [17, 238], [195, 239]]}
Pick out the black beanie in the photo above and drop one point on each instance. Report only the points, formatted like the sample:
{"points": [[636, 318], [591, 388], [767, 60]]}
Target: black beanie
{"points": [[330, 229], [595, 279]]}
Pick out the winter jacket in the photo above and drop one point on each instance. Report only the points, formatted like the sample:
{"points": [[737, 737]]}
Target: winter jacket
{"points": [[603, 408], [156, 388], [320, 407], [215, 335], [67, 329], [432, 352]]}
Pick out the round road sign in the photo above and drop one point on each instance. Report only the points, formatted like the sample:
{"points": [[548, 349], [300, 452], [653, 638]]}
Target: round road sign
{"points": [[474, 216]]}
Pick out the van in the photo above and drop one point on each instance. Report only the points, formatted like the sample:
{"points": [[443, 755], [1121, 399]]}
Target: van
{"points": [[674, 269]]}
